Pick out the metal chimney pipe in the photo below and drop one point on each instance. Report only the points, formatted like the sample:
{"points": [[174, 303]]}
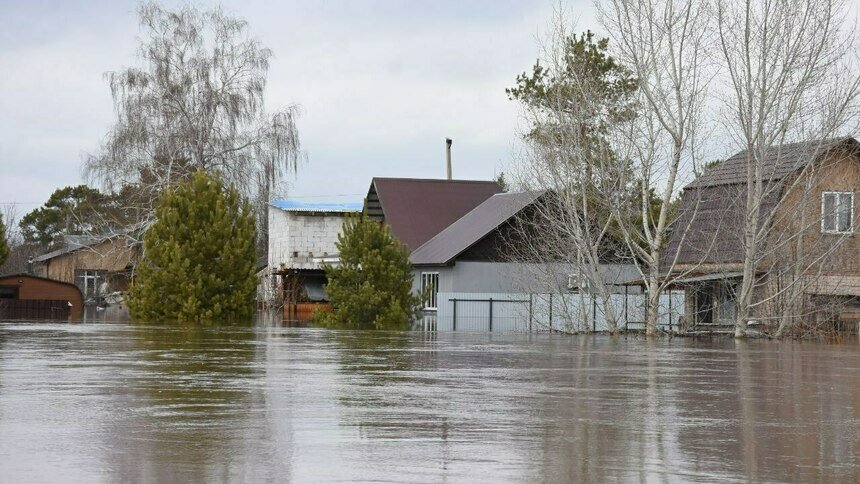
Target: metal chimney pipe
{"points": [[448, 143]]}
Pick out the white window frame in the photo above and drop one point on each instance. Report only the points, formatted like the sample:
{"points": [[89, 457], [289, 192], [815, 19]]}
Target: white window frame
{"points": [[431, 303], [824, 214]]}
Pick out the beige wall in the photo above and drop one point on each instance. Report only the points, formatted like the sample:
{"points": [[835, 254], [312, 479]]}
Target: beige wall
{"points": [[110, 255]]}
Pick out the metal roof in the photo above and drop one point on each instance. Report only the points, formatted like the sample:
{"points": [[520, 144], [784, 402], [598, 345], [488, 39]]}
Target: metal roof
{"points": [[717, 276], [418, 209], [472, 227], [318, 207]]}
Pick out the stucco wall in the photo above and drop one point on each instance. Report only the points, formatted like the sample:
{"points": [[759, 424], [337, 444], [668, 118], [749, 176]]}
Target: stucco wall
{"points": [[489, 277]]}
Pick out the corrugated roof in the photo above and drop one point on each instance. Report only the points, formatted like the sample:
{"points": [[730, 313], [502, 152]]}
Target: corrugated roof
{"points": [[418, 209], [779, 162], [471, 228], [320, 207]]}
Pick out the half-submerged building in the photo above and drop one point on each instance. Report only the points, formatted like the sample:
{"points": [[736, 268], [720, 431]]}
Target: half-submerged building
{"points": [[807, 266], [302, 237]]}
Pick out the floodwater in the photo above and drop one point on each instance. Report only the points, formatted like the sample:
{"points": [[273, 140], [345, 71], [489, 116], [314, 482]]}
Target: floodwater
{"points": [[130, 403]]}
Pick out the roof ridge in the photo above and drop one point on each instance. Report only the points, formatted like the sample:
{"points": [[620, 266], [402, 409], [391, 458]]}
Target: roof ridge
{"points": [[433, 180], [475, 238]]}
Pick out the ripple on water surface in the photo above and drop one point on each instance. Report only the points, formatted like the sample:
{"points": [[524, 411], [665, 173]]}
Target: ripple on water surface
{"points": [[123, 402]]}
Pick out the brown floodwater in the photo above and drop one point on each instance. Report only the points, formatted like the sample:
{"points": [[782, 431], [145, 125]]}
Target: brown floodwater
{"points": [[135, 403]]}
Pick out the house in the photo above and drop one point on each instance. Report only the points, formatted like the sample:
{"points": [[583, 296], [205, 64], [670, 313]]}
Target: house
{"points": [[472, 280], [809, 256], [25, 296], [302, 237], [98, 266], [417, 209]]}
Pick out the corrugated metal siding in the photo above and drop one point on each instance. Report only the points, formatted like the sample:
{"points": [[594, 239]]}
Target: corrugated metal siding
{"points": [[521, 312]]}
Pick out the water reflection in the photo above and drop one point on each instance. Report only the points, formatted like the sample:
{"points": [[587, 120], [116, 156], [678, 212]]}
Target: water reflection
{"points": [[191, 387], [119, 402]]}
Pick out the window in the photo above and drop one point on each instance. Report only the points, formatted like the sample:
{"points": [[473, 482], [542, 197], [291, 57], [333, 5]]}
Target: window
{"points": [[726, 303], [430, 287], [8, 292], [90, 282], [837, 212]]}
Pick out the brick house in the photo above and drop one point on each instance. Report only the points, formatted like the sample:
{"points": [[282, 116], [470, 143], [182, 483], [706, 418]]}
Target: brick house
{"points": [[808, 262], [302, 238]]}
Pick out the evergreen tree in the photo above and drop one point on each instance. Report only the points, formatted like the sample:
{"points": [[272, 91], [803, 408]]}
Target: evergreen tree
{"points": [[371, 287], [4, 245], [198, 262]]}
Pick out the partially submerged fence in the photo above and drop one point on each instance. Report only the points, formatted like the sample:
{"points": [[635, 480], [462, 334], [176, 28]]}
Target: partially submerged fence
{"points": [[520, 312]]}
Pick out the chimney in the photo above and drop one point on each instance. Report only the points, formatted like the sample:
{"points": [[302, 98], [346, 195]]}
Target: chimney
{"points": [[448, 143]]}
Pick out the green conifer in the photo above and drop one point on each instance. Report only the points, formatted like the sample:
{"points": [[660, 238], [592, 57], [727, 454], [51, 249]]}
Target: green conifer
{"points": [[371, 287], [198, 261]]}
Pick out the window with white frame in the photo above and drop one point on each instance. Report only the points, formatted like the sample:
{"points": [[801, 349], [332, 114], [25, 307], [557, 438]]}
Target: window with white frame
{"points": [[89, 281], [837, 212], [430, 289]]}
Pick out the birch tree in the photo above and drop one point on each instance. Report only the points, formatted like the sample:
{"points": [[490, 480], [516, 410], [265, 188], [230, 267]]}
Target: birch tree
{"points": [[194, 102], [788, 81], [664, 43]]}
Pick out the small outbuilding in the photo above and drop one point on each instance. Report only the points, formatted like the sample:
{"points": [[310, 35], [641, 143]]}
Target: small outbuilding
{"points": [[25, 296]]}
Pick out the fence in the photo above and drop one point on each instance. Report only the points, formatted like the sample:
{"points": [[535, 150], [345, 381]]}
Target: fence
{"points": [[34, 309], [520, 312]]}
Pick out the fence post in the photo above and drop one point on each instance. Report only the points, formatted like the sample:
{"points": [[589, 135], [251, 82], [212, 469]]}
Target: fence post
{"points": [[670, 310], [454, 318], [491, 315], [626, 318], [530, 311], [593, 314], [550, 312]]}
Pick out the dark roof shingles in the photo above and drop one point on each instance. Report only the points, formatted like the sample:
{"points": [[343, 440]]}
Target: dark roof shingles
{"points": [[712, 208]]}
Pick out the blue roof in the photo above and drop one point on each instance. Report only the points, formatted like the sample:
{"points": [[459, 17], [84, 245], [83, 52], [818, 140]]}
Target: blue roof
{"points": [[300, 206]]}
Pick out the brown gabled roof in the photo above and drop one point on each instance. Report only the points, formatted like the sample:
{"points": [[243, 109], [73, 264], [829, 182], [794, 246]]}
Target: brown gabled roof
{"points": [[710, 225], [471, 228], [778, 162], [418, 209]]}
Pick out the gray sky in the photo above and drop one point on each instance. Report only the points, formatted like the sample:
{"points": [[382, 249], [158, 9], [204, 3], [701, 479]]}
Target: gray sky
{"points": [[380, 84]]}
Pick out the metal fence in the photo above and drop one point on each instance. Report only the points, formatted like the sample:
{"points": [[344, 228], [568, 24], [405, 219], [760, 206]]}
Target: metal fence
{"points": [[521, 312]]}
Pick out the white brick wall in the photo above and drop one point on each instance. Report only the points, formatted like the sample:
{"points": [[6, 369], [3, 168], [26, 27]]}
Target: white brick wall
{"points": [[308, 235]]}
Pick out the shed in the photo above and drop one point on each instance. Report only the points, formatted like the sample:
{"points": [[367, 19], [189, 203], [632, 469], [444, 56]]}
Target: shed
{"points": [[25, 296]]}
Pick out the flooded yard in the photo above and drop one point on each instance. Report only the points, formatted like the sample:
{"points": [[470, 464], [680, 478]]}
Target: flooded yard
{"points": [[132, 403]]}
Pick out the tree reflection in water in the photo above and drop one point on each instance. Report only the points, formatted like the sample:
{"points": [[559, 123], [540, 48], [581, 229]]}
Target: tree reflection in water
{"points": [[193, 392]]}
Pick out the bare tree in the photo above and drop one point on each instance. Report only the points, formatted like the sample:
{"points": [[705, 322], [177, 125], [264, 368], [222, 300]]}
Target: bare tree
{"points": [[787, 81], [195, 102], [665, 45], [575, 93]]}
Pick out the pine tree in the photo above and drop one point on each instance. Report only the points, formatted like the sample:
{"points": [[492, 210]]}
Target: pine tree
{"points": [[371, 287], [4, 245], [199, 257]]}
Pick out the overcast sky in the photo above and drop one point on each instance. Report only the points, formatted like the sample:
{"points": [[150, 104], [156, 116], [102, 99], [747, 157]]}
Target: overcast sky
{"points": [[380, 85]]}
